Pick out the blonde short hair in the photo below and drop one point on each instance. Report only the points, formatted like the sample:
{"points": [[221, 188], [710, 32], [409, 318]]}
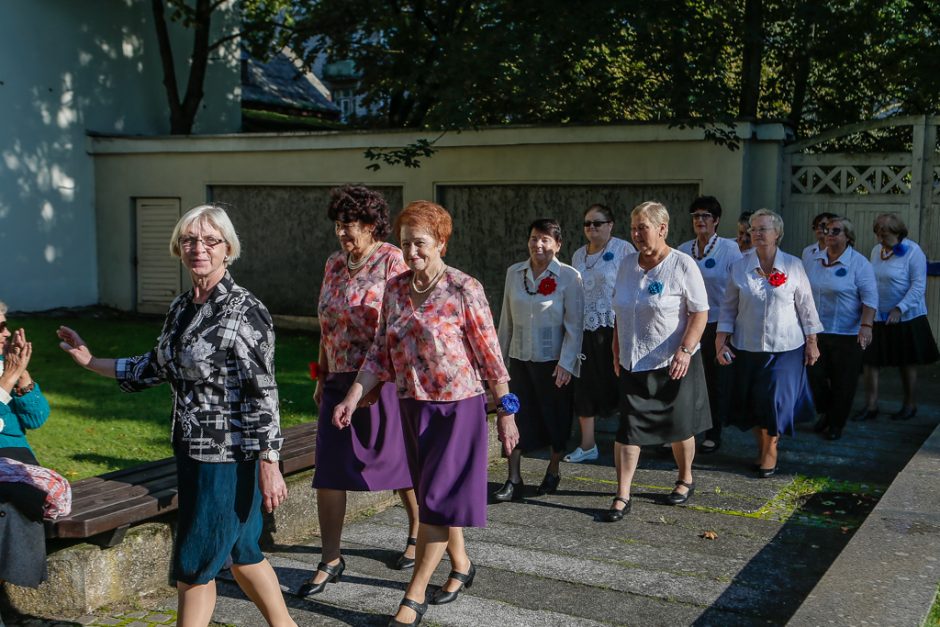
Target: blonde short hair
{"points": [[3, 307], [218, 219], [775, 220], [654, 211]]}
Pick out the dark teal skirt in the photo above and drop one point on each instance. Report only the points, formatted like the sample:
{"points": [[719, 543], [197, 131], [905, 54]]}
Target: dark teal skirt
{"points": [[219, 516]]}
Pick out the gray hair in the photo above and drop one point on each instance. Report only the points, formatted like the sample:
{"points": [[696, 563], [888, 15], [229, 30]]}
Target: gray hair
{"points": [[775, 220], [214, 216], [654, 211], [3, 308], [847, 227]]}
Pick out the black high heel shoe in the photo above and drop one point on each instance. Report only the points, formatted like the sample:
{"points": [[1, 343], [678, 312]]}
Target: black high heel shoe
{"points": [[678, 498], [334, 573], [404, 563], [466, 580], [419, 608]]}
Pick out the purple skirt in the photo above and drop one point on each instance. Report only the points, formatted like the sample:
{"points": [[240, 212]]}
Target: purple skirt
{"points": [[369, 455], [447, 453]]}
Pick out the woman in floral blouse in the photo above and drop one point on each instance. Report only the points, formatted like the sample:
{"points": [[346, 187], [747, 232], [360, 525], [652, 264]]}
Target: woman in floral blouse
{"points": [[540, 330], [437, 341], [216, 351], [370, 455], [595, 391], [768, 325]]}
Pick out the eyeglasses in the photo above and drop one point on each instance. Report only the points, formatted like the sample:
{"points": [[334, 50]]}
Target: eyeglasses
{"points": [[703, 216], [820, 226], [209, 242], [762, 229], [596, 223], [834, 231]]}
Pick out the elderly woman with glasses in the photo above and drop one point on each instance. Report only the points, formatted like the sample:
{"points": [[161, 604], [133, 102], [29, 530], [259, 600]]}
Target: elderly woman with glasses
{"points": [[216, 351], [768, 325], [662, 307], [540, 330], [819, 230], [714, 256], [370, 454], [901, 336], [437, 341], [846, 298], [743, 237], [22, 407], [595, 391]]}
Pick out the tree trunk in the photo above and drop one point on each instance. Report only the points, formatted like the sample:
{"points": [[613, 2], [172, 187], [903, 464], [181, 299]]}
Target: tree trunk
{"points": [[752, 59]]}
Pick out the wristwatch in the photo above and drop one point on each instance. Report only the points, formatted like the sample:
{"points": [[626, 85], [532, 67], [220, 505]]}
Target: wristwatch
{"points": [[270, 455], [685, 350]]}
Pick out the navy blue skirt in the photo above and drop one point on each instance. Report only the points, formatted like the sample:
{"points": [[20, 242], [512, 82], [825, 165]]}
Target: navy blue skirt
{"points": [[770, 391], [219, 515]]}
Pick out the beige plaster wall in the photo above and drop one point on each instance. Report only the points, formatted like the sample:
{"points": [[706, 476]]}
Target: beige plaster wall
{"points": [[649, 155]]}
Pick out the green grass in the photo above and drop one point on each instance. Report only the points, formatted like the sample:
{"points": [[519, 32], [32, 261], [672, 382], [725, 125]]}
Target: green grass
{"points": [[933, 619], [95, 427]]}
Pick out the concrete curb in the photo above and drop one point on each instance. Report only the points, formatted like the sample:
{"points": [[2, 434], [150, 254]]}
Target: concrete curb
{"points": [[888, 573]]}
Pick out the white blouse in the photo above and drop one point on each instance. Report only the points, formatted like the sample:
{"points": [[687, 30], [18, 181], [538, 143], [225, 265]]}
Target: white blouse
{"points": [[653, 309], [841, 289], [598, 274], [767, 319], [540, 327], [809, 252], [902, 281], [715, 268]]}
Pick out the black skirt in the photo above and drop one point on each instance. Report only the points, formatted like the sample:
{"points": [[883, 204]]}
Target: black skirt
{"points": [[544, 416], [595, 391], [655, 409], [907, 343]]}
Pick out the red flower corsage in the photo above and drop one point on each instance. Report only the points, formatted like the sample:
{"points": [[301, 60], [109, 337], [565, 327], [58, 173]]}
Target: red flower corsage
{"points": [[314, 370], [547, 286], [776, 279]]}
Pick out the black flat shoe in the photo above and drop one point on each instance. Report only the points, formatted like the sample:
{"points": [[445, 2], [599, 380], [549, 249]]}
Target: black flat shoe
{"points": [[419, 608], [821, 425], [906, 413], [549, 484], [678, 498], [310, 588], [766, 473], [614, 514], [833, 434], [404, 562], [509, 492], [466, 580], [865, 414], [709, 445]]}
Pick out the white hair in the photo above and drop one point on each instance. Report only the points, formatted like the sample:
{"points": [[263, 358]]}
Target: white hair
{"points": [[214, 216]]}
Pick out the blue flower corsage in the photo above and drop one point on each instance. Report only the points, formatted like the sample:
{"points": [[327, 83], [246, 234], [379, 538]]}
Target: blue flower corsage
{"points": [[508, 404], [841, 272], [655, 287], [710, 262], [899, 249], [608, 256]]}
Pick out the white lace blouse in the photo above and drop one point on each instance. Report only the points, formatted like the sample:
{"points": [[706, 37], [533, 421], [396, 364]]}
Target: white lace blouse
{"points": [[599, 273]]}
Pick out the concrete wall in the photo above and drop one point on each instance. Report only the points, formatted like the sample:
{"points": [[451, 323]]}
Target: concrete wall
{"points": [[68, 69], [622, 163]]}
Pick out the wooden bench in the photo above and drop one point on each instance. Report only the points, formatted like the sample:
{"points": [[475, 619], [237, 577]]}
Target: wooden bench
{"points": [[103, 507]]}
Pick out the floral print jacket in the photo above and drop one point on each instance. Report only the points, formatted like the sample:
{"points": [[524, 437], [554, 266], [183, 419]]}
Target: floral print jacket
{"points": [[349, 306], [221, 369], [444, 349]]}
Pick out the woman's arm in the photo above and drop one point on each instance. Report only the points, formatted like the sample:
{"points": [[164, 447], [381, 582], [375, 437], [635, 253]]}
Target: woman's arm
{"points": [[569, 361], [914, 296], [695, 325], [506, 430], [78, 350]]}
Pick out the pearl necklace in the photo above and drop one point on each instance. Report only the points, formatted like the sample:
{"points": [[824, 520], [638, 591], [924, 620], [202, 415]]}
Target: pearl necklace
{"points": [[355, 265], [431, 283], [708, 247], [598, 257]]}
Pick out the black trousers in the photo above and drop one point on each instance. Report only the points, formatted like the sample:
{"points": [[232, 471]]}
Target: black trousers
{"points": [[717, 380], [834, 377]]}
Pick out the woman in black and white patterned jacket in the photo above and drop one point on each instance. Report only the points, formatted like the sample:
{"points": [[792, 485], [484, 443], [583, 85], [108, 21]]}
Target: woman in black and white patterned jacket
{"points": [[216, 351]]}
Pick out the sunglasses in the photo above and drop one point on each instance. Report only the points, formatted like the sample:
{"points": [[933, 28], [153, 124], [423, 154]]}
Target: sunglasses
{"points": [[596, 223], [834, 231]]}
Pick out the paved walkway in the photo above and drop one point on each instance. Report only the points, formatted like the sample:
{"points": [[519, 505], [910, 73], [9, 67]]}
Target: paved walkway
{"points": [[743, 551]]}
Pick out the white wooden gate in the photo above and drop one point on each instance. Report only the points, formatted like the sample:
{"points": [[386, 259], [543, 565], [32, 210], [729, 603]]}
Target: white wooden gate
{"points": [[859, 186], [158, 273]]}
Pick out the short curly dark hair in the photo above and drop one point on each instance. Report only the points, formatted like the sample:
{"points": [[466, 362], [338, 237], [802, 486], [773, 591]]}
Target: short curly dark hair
{"points": [[350, 203]]}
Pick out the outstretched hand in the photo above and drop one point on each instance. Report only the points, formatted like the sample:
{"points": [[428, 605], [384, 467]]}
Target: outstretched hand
{"points": [[73, 344]]}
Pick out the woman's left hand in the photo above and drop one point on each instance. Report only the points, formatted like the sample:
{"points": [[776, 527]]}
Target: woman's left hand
{"points": [[679, 366], [894, 316], [562, 377], [864, 337], [810, 353], [507, 432], [273, 488]]}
